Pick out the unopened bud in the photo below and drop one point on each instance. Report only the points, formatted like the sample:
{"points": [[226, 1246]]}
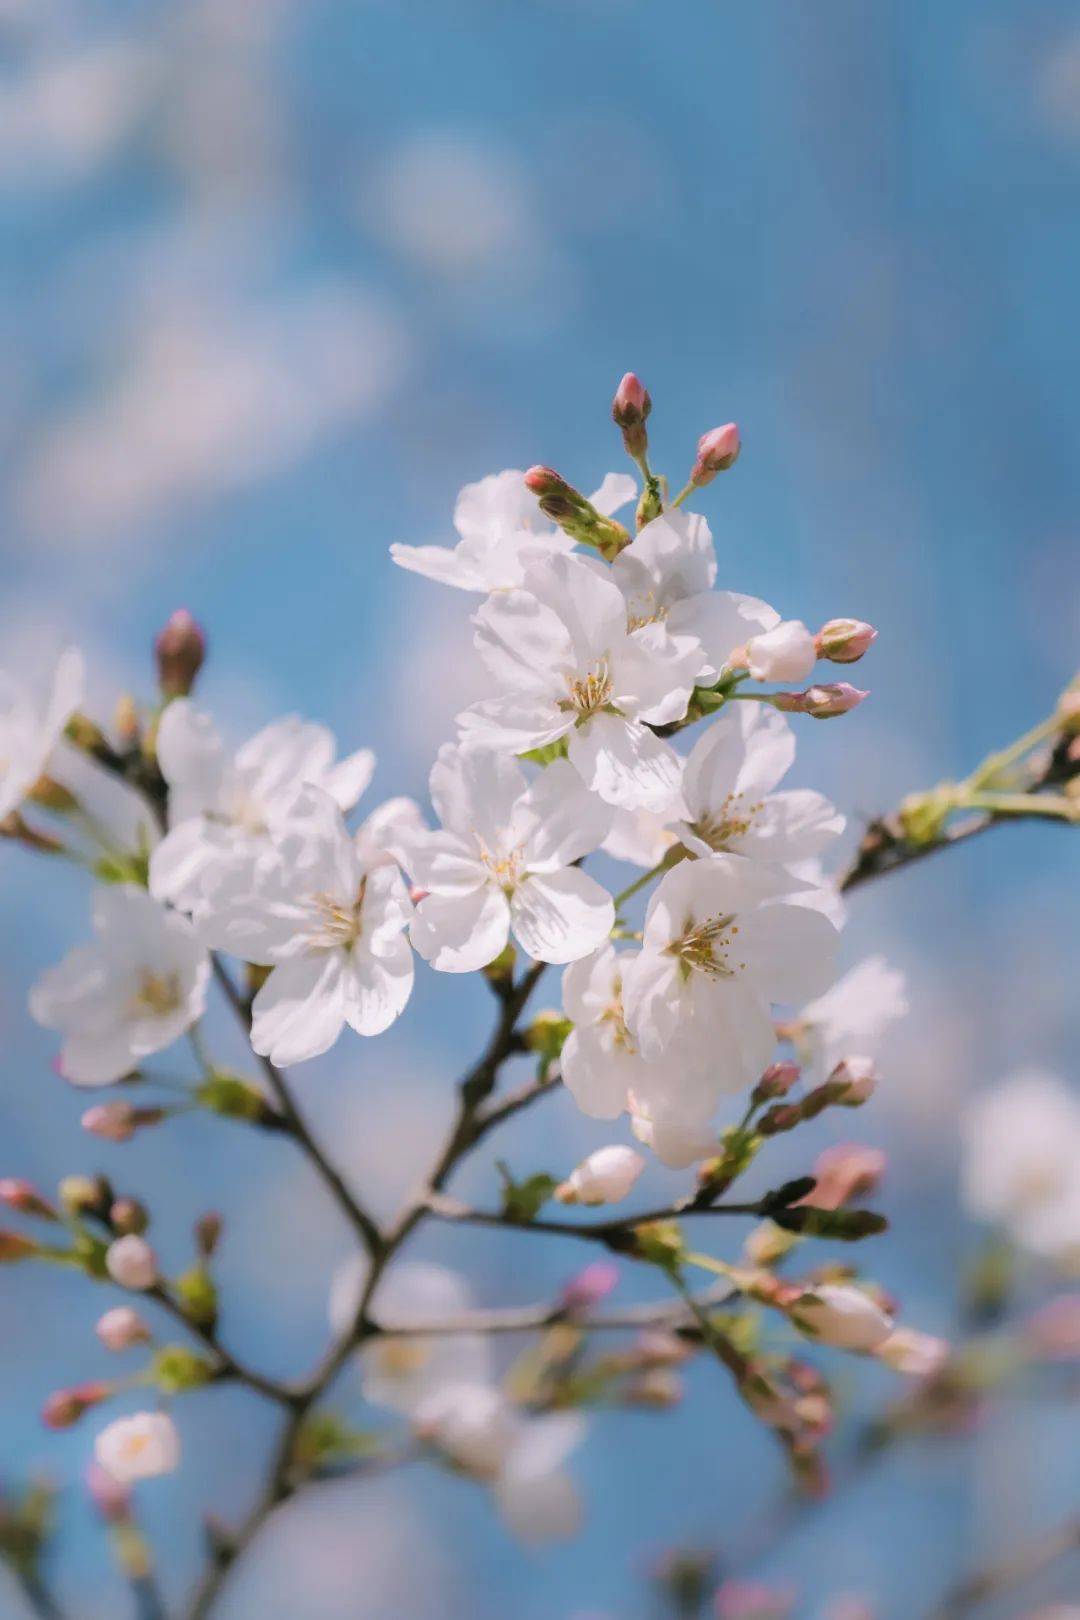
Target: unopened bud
{"points": [[629, 410], [752, 1600], [208, 1229], [768, 1244], [844, 641], [127, 1215], [589, 1288], [787, 652], [24, 1197], [122, 1328], [777, 1081], [112, 1500], [717, 451], [131, 1262], [821, 702], [180, 648], [126, 721], [918, 1355], [576, 516], [852, 1082], [845, 1172], [85, 1195], [118, 1121], [843, 1316], [14, 1246], [658, 1387], [605, 1177], [658, 1347], [67, 1406]]}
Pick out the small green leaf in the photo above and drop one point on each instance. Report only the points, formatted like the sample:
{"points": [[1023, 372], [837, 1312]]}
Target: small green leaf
{"points": [[175, 1370], [523, 1200], [197, 1292]]}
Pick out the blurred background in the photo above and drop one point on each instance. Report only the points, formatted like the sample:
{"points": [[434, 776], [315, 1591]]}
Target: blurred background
{"points": [[278, 277]]}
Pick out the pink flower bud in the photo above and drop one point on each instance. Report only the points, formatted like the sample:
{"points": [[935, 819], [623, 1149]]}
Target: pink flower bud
{"points": [[777, 1081], [605, 1177], [13, 1246], [752, 1600], [853, 1081], [180, 648], [122, 1328], [1053, 1332], [629, 410], [131, 1262], [843, 1316], [546, 481], [836, 697], [114, 1121], [784, 653], [845, 1172], [112, 1500], [844, 641], [66, 1406], [128, 1215], [24, 1197], [589, 1287], [919, 1355], [717, 451]]}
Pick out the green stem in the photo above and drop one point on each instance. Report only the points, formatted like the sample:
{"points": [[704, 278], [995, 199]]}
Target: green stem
{"points": [[688, 489], [1024, 804], [994, 763]]}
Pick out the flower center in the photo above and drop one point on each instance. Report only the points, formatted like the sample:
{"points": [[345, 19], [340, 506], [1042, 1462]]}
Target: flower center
{"points": [[158, 994], [645, 608], [505, 869], [704, 946], [399, 1358], [733, 819], [335, 924], [615, 1019], [590, 694]]}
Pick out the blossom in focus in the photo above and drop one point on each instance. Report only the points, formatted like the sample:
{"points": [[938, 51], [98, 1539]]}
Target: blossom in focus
{"points": [[786, 651], [131, 993], [31, 725], [642, 837], [667, 575], [502, 529], [138, 1447], [843, 1316], [331, 929], [722, 941], [224, 809], [853, 1016], [599, 1062], [403, 1372], [567, 665], [728, 799], [604, 1177], [520, 1457], [131, 1262], [1020, 1164], [504, 861]]}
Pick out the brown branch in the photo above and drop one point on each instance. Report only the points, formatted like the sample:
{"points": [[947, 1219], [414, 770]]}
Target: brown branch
{"points": [[530, 1318], [615, 1233], [227, 1365], [1015, 1569]]}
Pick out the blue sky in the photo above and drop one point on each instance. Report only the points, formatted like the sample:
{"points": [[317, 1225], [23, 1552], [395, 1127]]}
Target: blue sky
{"points": [[278, 278]]}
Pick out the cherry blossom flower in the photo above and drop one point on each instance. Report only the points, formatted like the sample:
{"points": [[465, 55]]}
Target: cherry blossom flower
{"points": [[785, 651], [31, 725], [667, 575], [131, 993], [843, 1316], [1021, 1162], [222, 809], [606, 1176], [728, 802], [329, 926], [722, 940], [520, 1457], [853, 1016], [641, 837], [505, 861], [502, 529], [678, 1136], [568, 666], [138, 1447], [403, 1372]]}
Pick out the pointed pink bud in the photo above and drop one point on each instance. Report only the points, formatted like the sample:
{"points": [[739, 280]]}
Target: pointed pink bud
{"points": [[844, 641], [67, 1406], [629, 410], [545, 481], [180, 648], [820, 702], [13, 1246], [844, 1172], [853, 1081], [777, 1081], [717, 451], [118, 1121], [24, 1197], [589, 1287]]}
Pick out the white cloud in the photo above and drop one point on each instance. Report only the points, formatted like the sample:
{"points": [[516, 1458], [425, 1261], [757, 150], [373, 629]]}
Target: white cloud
{"points": [[64, 115]]}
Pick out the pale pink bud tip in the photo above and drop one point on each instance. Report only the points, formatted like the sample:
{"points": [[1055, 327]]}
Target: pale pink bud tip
{"points": [[820, 702], [67, 1406], [844, 641], [118, 1121], [845, 1172], [23, 1196], [590, 1287], [13, 1246], [545, 481], [122, 1328], [631, 404], [180, 648], [717, 451]]}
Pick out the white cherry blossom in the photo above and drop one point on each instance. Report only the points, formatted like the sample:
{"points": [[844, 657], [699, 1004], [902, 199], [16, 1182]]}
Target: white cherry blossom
{"points": [[853, 1016], [728, 802], [501, 528], [138, 1447], [224, 809], [130, 993], [504, 861], [520, 1457], [567, 666], [667, 575], [329, 926], [31, 725], [1021, 1162], [403, 1372], [843, 1316], [786, 651], [723, 940]]}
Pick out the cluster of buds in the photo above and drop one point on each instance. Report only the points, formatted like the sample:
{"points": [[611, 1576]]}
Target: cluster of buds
{"points": [[575, 515], [849, 1085]]}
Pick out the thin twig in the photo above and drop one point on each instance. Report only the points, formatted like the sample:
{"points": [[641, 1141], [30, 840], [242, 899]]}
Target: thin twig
{"points": [[529, 1318], [227, 1363], [1015, 1569], [40, 1600], [612, 1232]]}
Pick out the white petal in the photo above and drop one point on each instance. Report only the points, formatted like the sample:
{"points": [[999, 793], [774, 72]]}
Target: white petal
{"points": [[590, 985], [670, 558], [178, 865], [474, 791], [625, 763], [789, 950], [377, 988], [652, 1000], [617, 491], [561, 916], [720, 621], [68, 993], [496, 506], [597, 1076], [190, 754], [447, 565], [300, 1010], [514, 724], [97, 1060], [282, 757], [443, 863], [539, 1508], [346, 780], [558, 820], [790, 827], [742, 751], [585, 601], [461, 933], [523, 643]]}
